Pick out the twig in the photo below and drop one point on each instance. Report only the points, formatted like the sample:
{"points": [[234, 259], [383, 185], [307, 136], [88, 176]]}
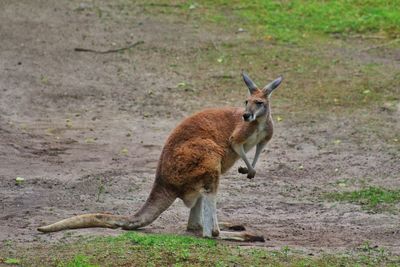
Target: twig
{"points": [[77, 49], [381, 45], [163, 5]]}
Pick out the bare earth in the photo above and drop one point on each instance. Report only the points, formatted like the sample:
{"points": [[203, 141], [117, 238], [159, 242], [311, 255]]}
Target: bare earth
{"points": [[85, 131]]}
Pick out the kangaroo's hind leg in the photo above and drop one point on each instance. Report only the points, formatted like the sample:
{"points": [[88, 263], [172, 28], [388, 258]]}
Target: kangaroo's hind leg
{"points": [[195, 222], [211, 226], [210, 222], [203, 213]]}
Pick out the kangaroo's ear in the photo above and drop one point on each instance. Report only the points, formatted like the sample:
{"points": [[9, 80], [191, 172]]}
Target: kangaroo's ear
{"points": [[250, 84], [269, 88]]}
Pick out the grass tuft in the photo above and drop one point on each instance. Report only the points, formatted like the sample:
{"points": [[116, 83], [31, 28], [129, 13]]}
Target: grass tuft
{"points": [[371, 198], [78, 261]]}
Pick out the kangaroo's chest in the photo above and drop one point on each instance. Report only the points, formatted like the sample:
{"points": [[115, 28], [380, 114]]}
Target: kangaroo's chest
{"points": [[259, 134]]}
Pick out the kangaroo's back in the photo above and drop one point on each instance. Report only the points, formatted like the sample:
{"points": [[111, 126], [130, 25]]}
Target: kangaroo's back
{"points": [[215, 124], [197, 146]]}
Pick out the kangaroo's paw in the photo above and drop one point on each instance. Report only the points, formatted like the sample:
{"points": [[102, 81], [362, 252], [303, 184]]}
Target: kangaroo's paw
{"points": [[251, 174], [243, 170], [226, 226]]}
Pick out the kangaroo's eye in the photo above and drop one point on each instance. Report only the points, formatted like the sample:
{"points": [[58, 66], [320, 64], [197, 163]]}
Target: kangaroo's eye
{"points": [[259, 103], [245, 102]]}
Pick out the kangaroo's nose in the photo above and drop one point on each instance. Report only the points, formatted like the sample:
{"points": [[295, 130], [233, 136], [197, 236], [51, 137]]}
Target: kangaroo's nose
{"points": [[246, 116]]}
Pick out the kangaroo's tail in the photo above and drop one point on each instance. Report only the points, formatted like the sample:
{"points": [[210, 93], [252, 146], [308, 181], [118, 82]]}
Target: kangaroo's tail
{"points": [[159, 200]]}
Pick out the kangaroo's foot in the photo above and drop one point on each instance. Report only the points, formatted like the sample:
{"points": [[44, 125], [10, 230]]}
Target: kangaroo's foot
{"points": [[226, 226], [243, 236], [237, 232], [223, 226]]}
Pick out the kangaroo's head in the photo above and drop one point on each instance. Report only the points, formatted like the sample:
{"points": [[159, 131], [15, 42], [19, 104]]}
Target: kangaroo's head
{"points": [[257, 103]]}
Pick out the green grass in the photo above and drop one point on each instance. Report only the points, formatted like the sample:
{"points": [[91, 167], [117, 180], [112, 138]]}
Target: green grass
{"points": [[137, 249], [79, 261], [291, 21], [12, 261], [298, 19], [371, 198]]}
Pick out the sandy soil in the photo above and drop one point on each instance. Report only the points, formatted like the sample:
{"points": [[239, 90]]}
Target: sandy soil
{"points": [[85, 131]]}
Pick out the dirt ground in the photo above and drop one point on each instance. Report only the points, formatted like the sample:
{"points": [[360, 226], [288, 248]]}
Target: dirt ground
{"points": [[85, 131]]}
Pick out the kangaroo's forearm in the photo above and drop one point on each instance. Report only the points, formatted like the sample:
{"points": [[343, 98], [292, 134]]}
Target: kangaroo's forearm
{"points": [[240, 151], [259, 148]]}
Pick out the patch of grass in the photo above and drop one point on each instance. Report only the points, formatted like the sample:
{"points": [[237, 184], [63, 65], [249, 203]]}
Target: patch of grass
{"points": [[371, 198], [12, 261], [78, 261], [298, 19], [137, 249]]}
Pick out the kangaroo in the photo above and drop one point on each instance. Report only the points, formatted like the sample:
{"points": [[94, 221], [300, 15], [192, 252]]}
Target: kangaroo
{"points": [[196, 153]]}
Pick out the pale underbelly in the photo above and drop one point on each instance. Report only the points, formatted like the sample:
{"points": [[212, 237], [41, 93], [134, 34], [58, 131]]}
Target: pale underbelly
{"points": [[253, 140]]}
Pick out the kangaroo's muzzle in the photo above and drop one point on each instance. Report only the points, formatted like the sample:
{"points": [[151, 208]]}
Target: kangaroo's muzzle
{"points": [[247, 116]]}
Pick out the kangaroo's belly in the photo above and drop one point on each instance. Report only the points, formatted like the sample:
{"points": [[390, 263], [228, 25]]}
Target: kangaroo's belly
{"points": [[254, 139]]}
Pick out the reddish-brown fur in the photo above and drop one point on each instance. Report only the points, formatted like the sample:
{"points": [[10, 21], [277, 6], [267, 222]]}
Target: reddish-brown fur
{"points": [[199, 149]]}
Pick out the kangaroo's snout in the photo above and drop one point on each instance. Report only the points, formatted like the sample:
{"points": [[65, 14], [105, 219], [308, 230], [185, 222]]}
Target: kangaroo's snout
{"points": [[247, 116]]}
